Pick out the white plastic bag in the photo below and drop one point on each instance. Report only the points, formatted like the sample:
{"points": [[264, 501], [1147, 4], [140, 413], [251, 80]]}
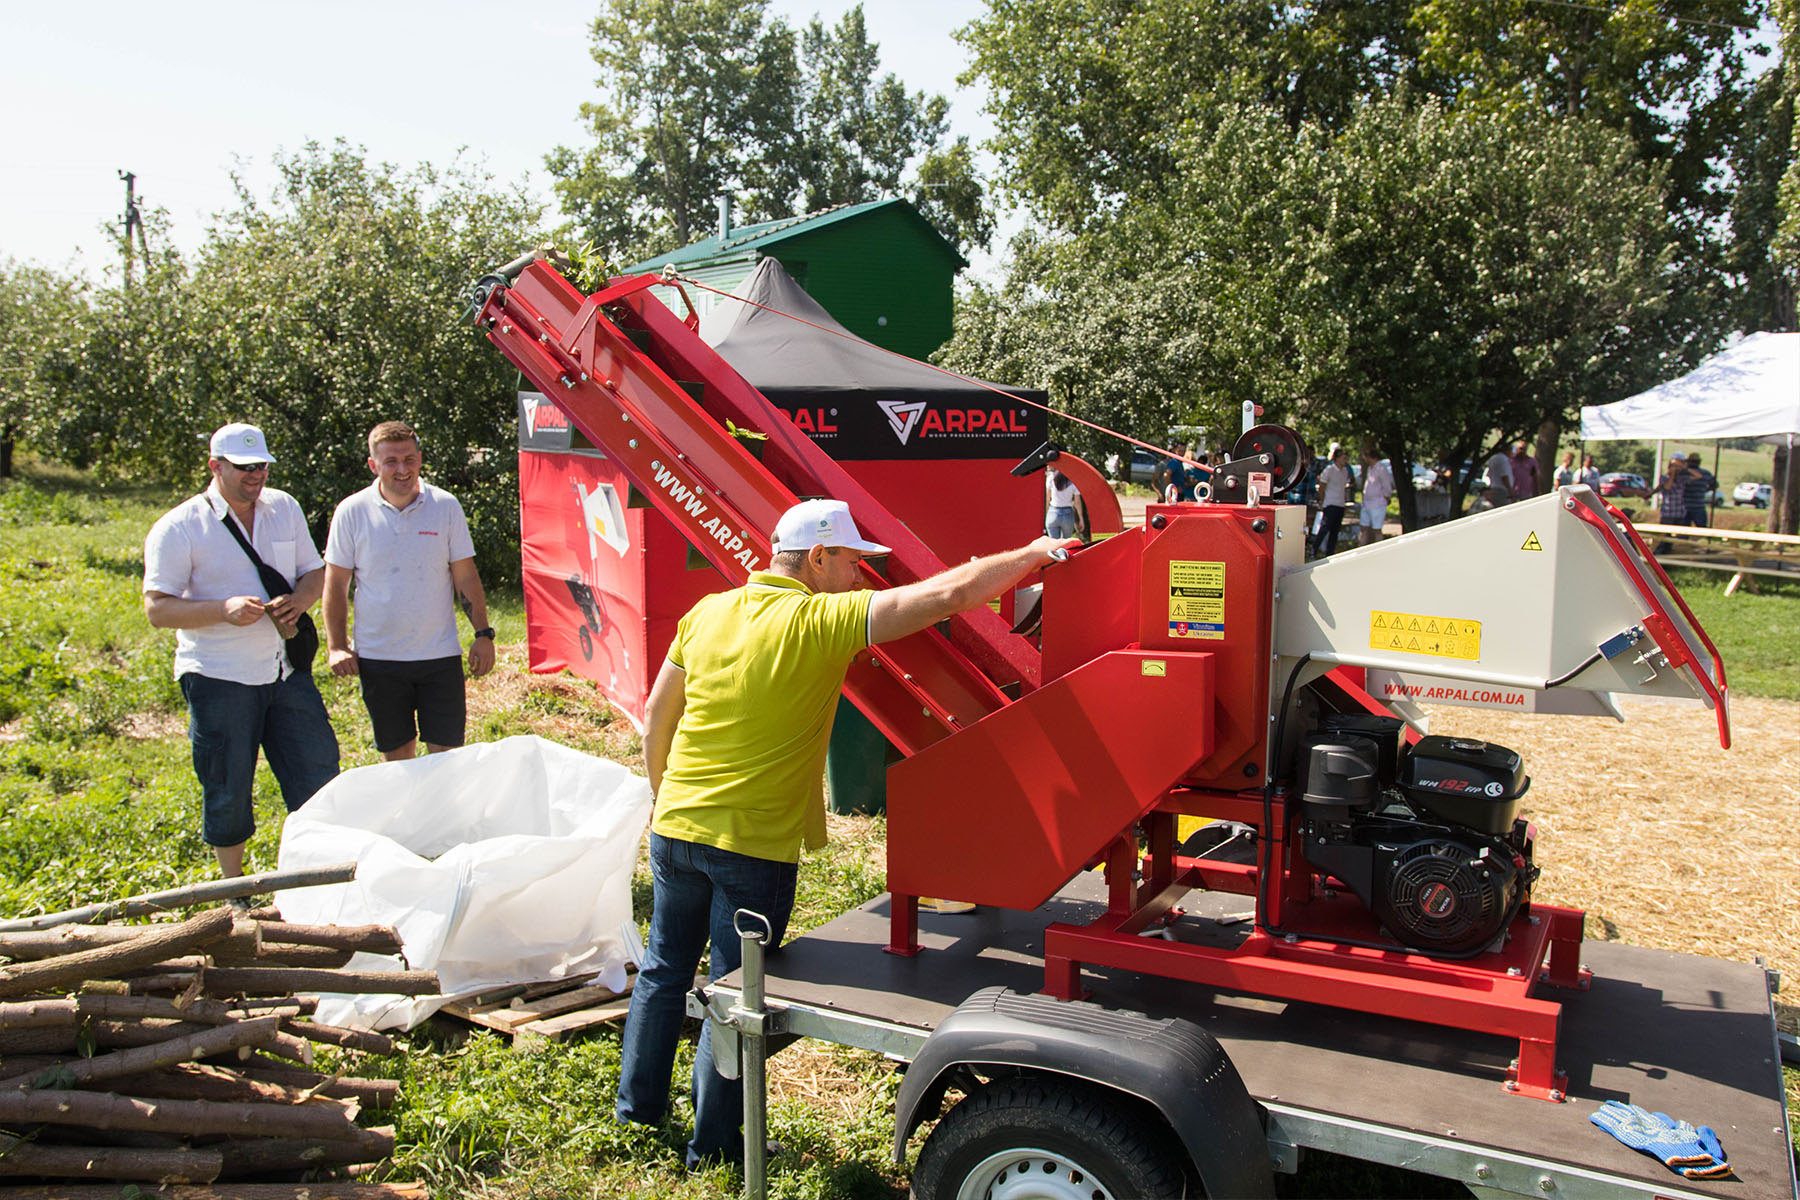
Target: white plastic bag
{"points": [[498, 863]]}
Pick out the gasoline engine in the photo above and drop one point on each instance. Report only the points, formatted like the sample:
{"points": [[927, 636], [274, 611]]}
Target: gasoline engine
{"points": [[1427, 836]]}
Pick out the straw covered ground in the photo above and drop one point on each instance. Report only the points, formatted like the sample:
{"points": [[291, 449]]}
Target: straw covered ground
{"points": [[1663, 838]]}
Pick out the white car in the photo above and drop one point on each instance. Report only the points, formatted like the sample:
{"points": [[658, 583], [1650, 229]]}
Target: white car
{"points": [[1748, 492]]}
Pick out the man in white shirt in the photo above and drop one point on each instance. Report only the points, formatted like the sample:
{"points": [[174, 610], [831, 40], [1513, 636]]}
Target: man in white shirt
{"points": [[1499, 487], [1378, 486], [406, 545], [1334, 488], [231, 637]]}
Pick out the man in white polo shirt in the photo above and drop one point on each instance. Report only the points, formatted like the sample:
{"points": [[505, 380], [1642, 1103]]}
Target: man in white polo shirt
{"points": [[406, 545], [231, 634]]}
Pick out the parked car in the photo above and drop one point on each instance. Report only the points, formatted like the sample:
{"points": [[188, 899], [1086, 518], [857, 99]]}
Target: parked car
{"points": [[1621, 483], [1144, 466], [1748, 492]]}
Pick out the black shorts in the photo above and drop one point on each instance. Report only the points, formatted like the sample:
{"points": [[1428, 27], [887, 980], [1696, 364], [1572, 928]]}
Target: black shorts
{"points": [[430, 690]]}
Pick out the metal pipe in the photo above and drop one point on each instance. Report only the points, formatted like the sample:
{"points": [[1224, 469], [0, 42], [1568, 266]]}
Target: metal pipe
{"points": [[750, 1013]]}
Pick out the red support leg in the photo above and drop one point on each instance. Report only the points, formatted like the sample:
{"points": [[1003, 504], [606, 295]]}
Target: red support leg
{"points": [[903, 926]]}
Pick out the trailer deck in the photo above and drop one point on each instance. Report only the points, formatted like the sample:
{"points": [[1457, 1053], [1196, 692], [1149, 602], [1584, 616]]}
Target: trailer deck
{"points": [[1693, 1037]]}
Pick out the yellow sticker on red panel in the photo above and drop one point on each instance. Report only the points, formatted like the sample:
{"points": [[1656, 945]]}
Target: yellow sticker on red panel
{"points": [[1197, 600]]}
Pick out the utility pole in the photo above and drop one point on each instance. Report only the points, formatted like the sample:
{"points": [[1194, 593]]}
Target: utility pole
{"points": [[134, 220]]}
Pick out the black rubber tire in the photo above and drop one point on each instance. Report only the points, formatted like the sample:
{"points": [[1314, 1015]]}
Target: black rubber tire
{"points": [[587, 642], [1079, 1125]]}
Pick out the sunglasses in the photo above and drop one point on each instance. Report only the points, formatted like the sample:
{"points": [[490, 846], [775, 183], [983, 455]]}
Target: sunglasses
{"points": [[249, 468]]}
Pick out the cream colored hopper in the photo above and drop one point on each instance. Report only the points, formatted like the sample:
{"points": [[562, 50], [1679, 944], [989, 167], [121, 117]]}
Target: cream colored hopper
{"points": [[1551, 592]]}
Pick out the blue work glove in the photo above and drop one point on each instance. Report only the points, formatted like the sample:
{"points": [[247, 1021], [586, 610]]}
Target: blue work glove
{"points": [[1695, 1153], [1717, 1168]]}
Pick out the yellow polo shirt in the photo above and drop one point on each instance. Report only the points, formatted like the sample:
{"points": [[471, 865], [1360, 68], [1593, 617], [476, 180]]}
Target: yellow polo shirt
{"points": [[764, 666]]}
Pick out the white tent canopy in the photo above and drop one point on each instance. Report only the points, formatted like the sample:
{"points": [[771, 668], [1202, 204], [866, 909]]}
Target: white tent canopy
{"points": [[1750, 390]]}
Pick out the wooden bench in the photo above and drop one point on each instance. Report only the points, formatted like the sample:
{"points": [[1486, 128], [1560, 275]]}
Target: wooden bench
{"points": [[1744, 552]]}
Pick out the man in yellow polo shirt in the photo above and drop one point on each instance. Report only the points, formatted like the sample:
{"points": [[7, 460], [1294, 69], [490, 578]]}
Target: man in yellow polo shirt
{"points": [[734, 743]]}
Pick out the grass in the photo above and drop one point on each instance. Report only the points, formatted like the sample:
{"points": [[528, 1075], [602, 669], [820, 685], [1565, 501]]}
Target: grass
{"points": [[98, 800]]}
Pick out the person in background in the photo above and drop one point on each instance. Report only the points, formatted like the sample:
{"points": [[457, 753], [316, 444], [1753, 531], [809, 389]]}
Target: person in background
{"points": [[1334, 494], [230, 639], [1065, 512], [1590, 474], [1498, 489], [734, 745], [406, 545], [1175, 482], [1524, 473], [1700, 485], [1377, 489], [1566, 474], [1671, 492]]}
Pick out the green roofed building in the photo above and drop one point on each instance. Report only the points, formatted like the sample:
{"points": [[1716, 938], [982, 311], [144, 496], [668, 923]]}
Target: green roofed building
{"points": [[880, 268]]}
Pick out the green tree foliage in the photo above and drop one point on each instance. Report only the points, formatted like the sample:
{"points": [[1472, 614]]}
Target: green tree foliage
{"points": [[39, 312], [1767, 286], [1786, 243], [315, 314], [1439, 282], [1261, 179], [703, 99]]}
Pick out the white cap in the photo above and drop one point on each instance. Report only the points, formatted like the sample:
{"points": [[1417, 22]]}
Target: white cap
{"points": [[821, 523], [239, 443]]}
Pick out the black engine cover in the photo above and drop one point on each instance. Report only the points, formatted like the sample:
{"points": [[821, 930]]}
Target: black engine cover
{"points": [[1436, 889]]}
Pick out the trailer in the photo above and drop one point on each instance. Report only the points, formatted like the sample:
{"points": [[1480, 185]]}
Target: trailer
{"points": [[1346, 956]]}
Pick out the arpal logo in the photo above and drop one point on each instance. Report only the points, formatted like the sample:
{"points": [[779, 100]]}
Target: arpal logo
{"points": [[530, 401], [902, 415]]}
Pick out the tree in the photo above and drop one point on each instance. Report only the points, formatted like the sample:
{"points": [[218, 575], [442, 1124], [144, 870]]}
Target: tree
{"points": [[1438, 281], [39, 312], [314, 314], [704, 99]]}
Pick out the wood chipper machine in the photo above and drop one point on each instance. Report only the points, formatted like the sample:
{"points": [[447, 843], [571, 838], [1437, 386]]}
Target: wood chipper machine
{"points": [[1198, 666]]}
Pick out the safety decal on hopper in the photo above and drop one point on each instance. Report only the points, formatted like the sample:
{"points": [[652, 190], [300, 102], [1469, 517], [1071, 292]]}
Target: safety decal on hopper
{"points": [[1197, 600], [1415, 633]]}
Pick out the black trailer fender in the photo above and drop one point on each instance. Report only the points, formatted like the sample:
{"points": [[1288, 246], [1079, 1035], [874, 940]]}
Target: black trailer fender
{"points": [[1173, 1065]]}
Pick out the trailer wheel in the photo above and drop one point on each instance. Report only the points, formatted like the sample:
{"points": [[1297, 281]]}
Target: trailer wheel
{"points": [[1045, 1140]]}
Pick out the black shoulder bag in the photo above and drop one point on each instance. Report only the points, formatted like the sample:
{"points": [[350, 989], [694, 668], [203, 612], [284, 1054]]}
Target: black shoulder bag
{"points": [[303, 647]]}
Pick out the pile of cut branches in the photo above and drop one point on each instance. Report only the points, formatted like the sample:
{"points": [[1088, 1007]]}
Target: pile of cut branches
{"points": [[183, 1053]]}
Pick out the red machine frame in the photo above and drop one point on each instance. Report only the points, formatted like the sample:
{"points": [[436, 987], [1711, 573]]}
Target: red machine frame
{"points": [[1024, 767]]}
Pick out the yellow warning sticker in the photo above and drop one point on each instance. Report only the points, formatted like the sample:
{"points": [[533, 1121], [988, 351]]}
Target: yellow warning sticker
{"points": [[1197, 600], [1154, 667], [1532, 543], [1417, 633]]}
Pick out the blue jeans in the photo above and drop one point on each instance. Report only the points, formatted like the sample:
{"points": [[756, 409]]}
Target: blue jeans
{"points": [[1060, 523], [697, 890], [228, 721]]}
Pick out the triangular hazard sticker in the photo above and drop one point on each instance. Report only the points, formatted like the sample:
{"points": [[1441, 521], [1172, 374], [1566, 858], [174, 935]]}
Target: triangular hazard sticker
{"points": [[1380, 622], [1532, 543]]}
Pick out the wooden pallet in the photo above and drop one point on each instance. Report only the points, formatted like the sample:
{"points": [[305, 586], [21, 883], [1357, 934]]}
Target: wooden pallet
{"points": [[545, 1012]]}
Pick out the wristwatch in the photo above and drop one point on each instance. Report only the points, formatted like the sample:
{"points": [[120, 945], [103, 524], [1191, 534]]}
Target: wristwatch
{"points": [[486, 632]]}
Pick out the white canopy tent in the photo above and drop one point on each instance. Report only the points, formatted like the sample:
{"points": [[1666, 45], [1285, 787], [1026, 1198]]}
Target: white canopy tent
{"points": [[1749, 390]]}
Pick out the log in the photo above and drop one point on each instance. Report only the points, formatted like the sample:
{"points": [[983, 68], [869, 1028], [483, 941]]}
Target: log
{"points": [[175, 981], [245, 937], [154, 944], [48, 1014], [236, 1191], [285, 1006], [280, 954], [332, 1035], [230, 981], [143, 1058], [18, 1157], [371, 939], [297, 1154], [206, 1081], [103, 1110], [189, 897], [370, 1093]]}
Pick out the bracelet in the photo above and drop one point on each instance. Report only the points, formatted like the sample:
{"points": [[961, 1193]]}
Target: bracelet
{"points": [[485, 632]]}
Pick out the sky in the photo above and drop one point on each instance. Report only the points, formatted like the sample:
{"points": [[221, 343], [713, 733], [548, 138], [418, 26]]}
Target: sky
{"points": [[185, 92]]}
